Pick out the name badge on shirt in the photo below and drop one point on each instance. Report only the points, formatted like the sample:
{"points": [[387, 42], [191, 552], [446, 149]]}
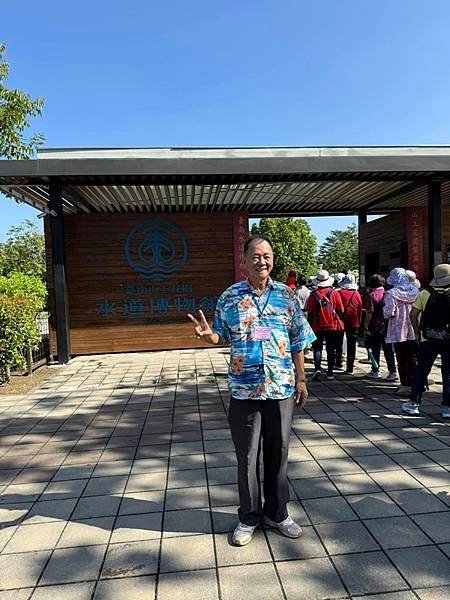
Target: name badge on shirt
{"points": [[261, 333]]}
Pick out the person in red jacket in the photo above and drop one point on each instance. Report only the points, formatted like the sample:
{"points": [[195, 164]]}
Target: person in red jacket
{"points": [[352, 303], [324, 309]]}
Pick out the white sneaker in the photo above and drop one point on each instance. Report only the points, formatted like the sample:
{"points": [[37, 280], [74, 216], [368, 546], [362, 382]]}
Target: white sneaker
{"points": [[373, 375], [445, 412], [392, 377], [317, 375], [288, 527], [412, 408], [243, 534]]}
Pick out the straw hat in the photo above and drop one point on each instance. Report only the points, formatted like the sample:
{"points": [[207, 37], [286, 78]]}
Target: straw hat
{"points": [[441, 276], [322, 279]]}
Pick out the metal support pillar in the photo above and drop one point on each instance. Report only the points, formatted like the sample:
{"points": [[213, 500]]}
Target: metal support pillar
{"points": [[434, 225], [362, 220], [59, 271]]}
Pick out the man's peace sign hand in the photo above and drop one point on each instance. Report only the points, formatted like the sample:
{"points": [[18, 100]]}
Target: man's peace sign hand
{"points": [[202, 329]]}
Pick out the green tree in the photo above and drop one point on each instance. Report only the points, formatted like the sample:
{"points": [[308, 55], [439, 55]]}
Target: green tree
{"points": [[294, 245], [23, 251], [340, 250], [16, 108]]}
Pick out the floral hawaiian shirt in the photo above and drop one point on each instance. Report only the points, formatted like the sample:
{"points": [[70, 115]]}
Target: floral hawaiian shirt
{"points": [[261, 368]]}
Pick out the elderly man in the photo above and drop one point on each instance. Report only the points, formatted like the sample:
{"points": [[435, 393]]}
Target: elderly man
{"points": [[263, 322]]}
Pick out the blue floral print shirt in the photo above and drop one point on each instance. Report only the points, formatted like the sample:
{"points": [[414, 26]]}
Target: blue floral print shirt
{"points": [[261, 368]]}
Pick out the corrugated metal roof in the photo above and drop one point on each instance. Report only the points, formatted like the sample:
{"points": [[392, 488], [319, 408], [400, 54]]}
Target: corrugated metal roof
{"points": [[261, 181]]}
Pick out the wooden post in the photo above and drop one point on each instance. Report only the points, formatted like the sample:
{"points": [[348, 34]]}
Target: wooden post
{"points": [[59, 271]]}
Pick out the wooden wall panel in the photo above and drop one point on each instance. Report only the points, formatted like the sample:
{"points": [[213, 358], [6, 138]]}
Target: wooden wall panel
{"points": [[386, 234], [115, 309]]}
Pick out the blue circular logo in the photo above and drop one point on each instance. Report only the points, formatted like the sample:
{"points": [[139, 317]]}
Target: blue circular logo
{"points": [[156, 249]]}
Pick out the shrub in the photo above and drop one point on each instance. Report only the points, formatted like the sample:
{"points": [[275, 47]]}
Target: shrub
{"points": [[18, 331], [26, 286]]}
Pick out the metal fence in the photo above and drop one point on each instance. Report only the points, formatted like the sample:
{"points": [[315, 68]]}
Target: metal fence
{"points": [[40, 355]]}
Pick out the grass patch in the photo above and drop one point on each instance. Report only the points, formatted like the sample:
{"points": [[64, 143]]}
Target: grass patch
{"points": [[22, 384]]}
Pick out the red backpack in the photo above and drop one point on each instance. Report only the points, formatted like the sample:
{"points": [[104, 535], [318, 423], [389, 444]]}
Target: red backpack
{"points": [[327, 317]]}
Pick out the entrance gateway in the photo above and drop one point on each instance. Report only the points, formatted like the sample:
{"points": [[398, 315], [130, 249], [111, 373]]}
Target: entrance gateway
{"points": [[136, 238]]}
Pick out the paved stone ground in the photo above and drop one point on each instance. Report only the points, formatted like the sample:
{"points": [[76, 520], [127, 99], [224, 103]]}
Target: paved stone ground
{"points": [[117, 481]]}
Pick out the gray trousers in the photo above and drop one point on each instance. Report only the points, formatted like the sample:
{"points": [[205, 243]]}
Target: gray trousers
{"points": [[266, 425]]}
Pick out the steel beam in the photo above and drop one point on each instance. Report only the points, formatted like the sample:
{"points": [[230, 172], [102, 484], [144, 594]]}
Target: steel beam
{"points": [[59, 272], [434, 225], [362, 220]]}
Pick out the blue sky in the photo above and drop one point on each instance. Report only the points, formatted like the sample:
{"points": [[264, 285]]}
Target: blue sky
{"points": [[232, 73]]}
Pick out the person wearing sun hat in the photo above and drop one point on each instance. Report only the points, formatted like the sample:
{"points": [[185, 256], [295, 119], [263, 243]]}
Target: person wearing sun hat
{"points": [[433, 335], [324, 309], [352, 303], [396, 310]]}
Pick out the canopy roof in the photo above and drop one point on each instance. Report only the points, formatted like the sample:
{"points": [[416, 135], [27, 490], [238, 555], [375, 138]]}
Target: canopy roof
{"points": [[261, 181]]}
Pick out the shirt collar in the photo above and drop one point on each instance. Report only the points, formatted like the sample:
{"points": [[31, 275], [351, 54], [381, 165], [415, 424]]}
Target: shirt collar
{"points": [[270, 285]]}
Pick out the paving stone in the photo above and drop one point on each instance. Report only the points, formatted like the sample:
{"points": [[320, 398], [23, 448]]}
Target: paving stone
{"points": [[250, 581], [381, 462], [435, 525], [432, 477], [418, 501], [298, 454], [257, 551], [185, 479], [223, 495], [395, 480], [187, 553], [319, 487], [422, 567], [304, 470], [225, 518], [318, 579], [355, 484], [328, 510], [143, 482], [131, 528], [361, 449], [29, 538], [73, 564], [67, 472], [102, 486], [115, 468], [396, 532], [59, 490], [187, 498], [328, 451], [142, 502], [435, 593], [219, 459], [390, 596], [22, 594], [344, 538], [96, 506], [368, 573], [187, 522], [86, 532], [21, 570], [340, 466], [22, 492], [442, 457], [284, 548], [413, 460], [71, 591], [134, 588], [132, 558], [188, 585]]}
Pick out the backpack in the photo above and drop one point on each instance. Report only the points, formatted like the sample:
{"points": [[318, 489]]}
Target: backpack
{"points": [[327, 319], [348, 314], [435, 324]]}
